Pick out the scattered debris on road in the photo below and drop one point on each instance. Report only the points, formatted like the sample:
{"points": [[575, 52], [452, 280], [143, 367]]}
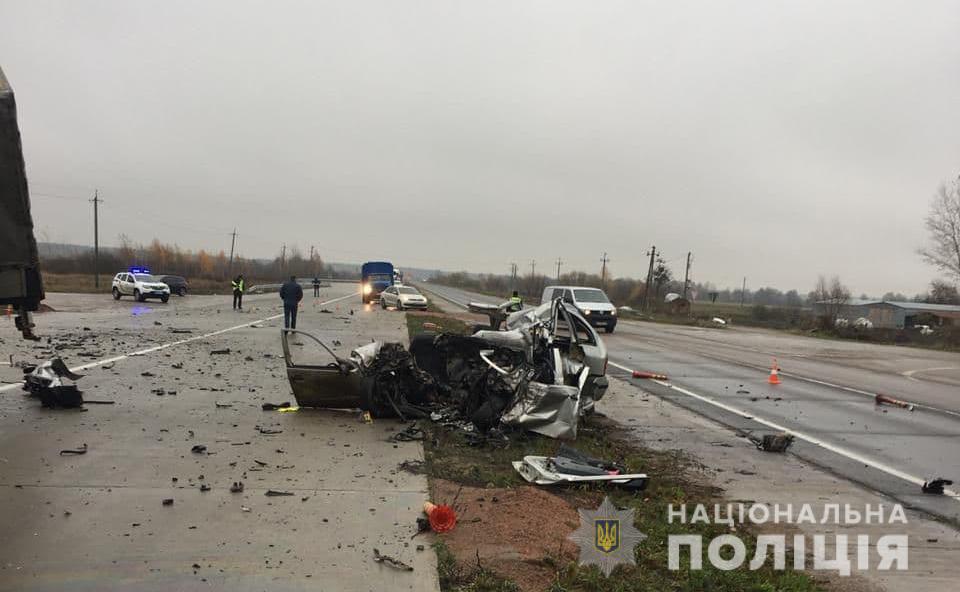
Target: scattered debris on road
{"points": [[46, 381], [772, 442], [275, 493], [275, 406], [78, 450], [885, 400], [936, 486], [650, 375], [572, 466], [392, 562]]}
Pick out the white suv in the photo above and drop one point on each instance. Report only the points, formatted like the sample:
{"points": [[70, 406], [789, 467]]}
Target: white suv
{"points": [[139, 285]]}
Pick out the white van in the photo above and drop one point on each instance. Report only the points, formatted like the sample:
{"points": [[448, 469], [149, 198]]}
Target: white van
{"points": [[592, 303]]}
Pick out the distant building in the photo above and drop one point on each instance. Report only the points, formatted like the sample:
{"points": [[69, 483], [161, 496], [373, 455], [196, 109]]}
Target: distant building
{"points": [[894, 314]]}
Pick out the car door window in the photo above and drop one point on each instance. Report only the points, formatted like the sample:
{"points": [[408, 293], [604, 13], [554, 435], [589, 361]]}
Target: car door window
{"points": [[567, 296], [557, 293]]}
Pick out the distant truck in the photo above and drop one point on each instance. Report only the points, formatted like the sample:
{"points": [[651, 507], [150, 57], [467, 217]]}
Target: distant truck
{"points": [[375, 277], [20, 283]]}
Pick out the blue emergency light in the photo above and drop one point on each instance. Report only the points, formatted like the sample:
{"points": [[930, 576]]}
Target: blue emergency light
{"points": [[142, 270]]}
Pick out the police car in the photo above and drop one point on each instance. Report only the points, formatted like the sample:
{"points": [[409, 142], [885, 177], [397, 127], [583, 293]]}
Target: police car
{"points": [[138, 282]]}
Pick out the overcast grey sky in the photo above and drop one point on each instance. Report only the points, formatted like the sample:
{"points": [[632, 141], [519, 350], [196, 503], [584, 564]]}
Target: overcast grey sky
{"points": [[775, 140]]}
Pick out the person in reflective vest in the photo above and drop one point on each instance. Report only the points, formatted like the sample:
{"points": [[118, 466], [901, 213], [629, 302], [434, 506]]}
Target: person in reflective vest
{"points": [[516, 303], [237, 285]]}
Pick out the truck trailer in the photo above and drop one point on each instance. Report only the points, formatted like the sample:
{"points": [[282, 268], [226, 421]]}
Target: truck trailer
{"points": [[21, 286]]}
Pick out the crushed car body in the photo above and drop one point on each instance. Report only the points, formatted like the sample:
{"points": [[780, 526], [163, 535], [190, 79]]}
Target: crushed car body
{"points": [[541, 374]]}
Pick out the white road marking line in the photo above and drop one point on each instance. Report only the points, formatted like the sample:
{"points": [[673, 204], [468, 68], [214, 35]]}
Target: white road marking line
{"points": [[909, 373], [802, 436], [787, 374], [156, 348]]}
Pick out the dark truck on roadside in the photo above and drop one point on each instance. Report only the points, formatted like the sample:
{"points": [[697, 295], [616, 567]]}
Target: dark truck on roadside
{"points": [[375, 277], [21, 285]]}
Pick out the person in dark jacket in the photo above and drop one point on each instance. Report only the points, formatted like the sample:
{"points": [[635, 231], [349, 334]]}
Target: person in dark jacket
{"points": [[291, 293], [316, 286]]}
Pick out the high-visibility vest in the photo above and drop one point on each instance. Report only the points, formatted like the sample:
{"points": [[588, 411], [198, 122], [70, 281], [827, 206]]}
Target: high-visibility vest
{"points": [[516, 301], [237, 285]]}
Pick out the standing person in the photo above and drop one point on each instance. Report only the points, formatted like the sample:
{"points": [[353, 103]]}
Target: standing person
{"points": [[516, 303], [316, 287], [237, 285], [291, 293]]}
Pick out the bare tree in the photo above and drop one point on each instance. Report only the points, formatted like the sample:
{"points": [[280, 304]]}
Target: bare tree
{"points": [[942, 293], [831, 296], [943, 224]]}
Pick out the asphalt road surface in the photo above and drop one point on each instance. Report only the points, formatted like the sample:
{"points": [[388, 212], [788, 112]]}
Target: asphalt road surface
{"points": [[96, 521], [826, 399]]}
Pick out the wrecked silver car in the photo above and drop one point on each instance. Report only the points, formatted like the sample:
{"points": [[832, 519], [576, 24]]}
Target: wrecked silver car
{"points": [[541, 375]]}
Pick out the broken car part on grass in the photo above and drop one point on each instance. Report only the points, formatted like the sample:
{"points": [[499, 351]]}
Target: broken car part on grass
{"points": [[572, 466], [541, 375]]}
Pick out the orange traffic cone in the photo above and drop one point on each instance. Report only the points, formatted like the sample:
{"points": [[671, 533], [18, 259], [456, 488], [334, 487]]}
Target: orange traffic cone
{"points": [[442, 517], [774, 373]]}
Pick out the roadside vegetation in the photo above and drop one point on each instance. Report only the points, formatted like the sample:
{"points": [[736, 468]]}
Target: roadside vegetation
{"points": [[676, 478], [208, 272]]}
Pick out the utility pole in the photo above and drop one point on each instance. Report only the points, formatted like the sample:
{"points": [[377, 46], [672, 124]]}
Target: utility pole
{"points": [[283, 257], [646, 293], [686, 277], [513, 276], [559, 263], [533, 268], [743, 290], [603, 271], [233, 241], [96, 238]]}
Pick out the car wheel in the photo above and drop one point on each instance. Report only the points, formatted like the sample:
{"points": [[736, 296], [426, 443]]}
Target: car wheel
{"points": [[399, 304], [608, 328], [182, 292], [383, 303], [116, 294], [165, 298], [137, 296]]}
